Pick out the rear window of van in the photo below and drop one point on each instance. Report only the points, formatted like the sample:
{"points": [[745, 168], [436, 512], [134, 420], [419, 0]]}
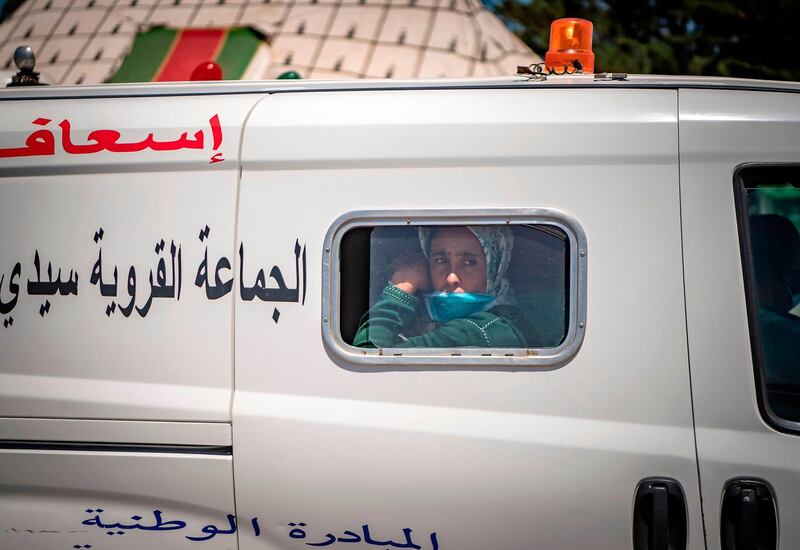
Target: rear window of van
{"points": [[769, 223], [419, 285]]}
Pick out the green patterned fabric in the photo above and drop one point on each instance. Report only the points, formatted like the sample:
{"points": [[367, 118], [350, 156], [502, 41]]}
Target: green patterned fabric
{"points": [[149, 50], [237, 52], [153, 49], [387, 323]]}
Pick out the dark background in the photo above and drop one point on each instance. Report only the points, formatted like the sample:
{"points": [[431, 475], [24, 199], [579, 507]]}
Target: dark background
{"points": [[748, 39]]}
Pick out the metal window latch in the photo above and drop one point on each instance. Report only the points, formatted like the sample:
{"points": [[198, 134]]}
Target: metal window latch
{"points": [[611, 76], [540, 71], [533, 72]]}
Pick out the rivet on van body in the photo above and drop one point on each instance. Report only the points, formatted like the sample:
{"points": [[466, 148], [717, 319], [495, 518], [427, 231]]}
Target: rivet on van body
{"points": [[325, 319], [580, 325], [327, 250], [583, 253], [408, 222]]}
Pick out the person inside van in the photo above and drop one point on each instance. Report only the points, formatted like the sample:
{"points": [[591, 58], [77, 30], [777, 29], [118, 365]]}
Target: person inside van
{"points": [[776, 263], [459, 281]]}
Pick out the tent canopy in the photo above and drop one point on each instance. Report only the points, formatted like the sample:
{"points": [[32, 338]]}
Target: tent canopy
{"points": [[162, 54]]}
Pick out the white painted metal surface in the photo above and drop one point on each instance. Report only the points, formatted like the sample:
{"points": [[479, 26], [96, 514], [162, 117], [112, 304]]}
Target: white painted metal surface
{"points": [[47, 498], [74, 367], [720, 131], [151, 345], [116, 431], [463, 458], [484, 457], [671, 82]]}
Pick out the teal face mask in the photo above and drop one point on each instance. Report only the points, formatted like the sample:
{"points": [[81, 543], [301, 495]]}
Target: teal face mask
{"points": [[446, 306]]}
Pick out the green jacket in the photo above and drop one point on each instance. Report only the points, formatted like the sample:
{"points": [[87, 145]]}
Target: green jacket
{"points": [[395, 311]]}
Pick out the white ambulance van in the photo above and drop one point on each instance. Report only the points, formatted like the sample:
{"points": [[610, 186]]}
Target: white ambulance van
{"points": [[205, 342]]}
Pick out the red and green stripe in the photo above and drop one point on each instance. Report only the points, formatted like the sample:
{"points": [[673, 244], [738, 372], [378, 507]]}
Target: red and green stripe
{"points": [[162, 54]]}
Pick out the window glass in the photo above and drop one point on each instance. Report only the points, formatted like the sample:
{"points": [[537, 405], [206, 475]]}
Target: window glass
{"points": [[770, 199], [454, 286]]}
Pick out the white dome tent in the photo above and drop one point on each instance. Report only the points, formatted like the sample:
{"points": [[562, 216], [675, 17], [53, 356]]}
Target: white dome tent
{"points": [[86, 41]]}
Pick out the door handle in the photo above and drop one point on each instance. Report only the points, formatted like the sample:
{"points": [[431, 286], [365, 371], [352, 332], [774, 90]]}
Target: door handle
{"points": [[659, 515], [749, 516]]}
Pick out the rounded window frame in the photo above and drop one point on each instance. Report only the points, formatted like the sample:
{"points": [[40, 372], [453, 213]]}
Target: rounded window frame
{"points": [[452, 357], [743, 174]]}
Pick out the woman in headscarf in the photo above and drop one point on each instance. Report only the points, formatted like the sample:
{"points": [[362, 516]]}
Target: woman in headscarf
{"points": [[463, 286]]}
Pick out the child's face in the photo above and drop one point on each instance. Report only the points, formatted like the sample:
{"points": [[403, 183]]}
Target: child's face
{"points": [[457, 262]]}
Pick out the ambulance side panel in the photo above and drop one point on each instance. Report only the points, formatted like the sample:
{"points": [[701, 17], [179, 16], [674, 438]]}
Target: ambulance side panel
{"points": [[114, 499], [100, 248], [450, 457], [722, 131], [116, 320]]}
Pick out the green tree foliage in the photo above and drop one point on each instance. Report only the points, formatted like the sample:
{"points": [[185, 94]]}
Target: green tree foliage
{"points": [[749, 38]]}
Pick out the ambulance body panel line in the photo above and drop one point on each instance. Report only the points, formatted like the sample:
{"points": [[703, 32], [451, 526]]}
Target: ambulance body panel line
{"points": [[114, 448], [273, 87], [123, 432]]}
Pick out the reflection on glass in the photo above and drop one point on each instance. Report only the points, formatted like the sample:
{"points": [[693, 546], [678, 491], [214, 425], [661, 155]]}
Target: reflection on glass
{"points": [[774, 218], [468, 286]]}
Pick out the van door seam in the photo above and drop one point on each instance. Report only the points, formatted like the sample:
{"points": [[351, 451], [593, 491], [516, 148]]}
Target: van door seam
{"points": [[239, 171], [686, 324]]}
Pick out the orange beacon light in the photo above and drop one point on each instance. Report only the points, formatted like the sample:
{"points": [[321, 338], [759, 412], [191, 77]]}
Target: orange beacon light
{"points": [[570, 39]]}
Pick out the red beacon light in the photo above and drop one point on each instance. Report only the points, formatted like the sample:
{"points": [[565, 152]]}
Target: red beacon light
{"points": [[207, 70], [570, 40]]}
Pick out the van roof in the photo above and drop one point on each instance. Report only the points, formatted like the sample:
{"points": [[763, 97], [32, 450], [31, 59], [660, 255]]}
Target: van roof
{"points": [[599, 80]]}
